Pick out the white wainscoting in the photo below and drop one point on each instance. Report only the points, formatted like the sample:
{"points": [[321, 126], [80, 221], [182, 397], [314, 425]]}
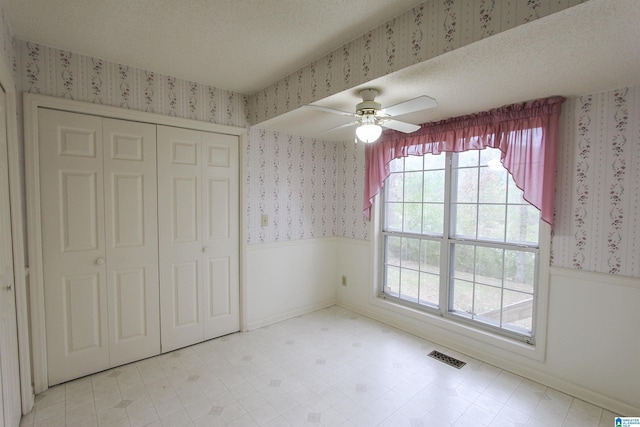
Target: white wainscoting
{"points": [[284, 280], [592, 330]]}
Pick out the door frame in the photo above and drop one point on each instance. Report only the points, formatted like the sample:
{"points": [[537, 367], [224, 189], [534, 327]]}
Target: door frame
{"points": [[31, 104], [16, 201]]}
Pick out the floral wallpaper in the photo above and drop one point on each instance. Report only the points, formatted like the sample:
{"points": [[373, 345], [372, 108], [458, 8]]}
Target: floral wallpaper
{"points": [[598, 189], [351, 221], [430, 29], [64, 74], [312, 188], [6, 44], [292, 180]]}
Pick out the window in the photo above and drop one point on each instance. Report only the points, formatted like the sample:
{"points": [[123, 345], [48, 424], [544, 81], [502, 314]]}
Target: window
{"points": [[459, 240]]}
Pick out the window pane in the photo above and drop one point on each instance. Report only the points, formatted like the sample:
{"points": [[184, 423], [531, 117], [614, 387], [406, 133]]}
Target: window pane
{"points": [[490, 157], [515, 194], [462, 296], [517, 311], [410, 253], [434, 186], [468, 158], [434, 161], [393, 216], [522, 224], [413, 187], [392, 280], [433, 219], [430, 256], [463, 259], [413, 163], [429, 289], [394, 187], [393, 250], [412, 218], [491, 222], [493, 185], [487, 302], [467, 187], [520, 270], [489, 266], [396, 165], [409, 288], [465, 220]]}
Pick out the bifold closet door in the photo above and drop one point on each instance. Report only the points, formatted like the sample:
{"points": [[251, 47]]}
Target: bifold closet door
{"points": [[98, 216], [10, 402], [198, 233], [221, 236], [131, 231]]}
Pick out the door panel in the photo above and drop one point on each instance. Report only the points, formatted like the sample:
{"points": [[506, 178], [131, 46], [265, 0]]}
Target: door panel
{"points": [[131, 240], [185, 209], [179, 214], [131, 305], [72, 205], [185, 292], [10, 405], [79, 206], [82, 319], [221, 235], [128, 210], [219, 288]]}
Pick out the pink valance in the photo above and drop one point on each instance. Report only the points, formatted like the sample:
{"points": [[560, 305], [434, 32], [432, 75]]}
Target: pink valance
{"points": [[526, 133]]}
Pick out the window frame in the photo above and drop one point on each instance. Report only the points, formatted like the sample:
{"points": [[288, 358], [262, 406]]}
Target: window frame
{"points": [[533, 347]]}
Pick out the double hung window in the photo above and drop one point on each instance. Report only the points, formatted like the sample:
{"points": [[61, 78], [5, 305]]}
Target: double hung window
{"points": [[459, 240]]}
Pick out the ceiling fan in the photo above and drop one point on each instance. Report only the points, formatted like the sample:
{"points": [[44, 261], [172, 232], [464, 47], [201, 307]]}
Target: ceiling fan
{"points": [[371, 117]]}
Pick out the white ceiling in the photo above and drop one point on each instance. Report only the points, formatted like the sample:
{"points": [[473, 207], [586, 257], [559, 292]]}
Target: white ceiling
{"points": [[585, 49], [246, 45], [238, 45]]}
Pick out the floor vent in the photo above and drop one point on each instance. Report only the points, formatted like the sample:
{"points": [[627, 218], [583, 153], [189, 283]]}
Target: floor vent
{"points": [[451, 361]]}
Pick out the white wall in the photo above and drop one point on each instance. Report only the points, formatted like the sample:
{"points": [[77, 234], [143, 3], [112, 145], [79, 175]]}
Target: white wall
{"points": [[284, 280], [592, 339]]}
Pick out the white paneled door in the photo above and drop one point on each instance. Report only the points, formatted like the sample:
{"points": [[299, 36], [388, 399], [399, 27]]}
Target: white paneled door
{"points": [[98, 198], [10, 405], [220, 209], [198, 234], [131, 238]]}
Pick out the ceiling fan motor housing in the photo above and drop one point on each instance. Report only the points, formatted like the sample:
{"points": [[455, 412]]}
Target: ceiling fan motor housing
{"points": [[368, 106]]}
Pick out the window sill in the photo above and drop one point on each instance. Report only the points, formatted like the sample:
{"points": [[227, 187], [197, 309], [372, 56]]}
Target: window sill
{"points": [[460, 336]]}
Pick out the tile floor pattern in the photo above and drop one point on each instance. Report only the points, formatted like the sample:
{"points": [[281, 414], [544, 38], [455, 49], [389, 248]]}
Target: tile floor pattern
{"points": [[327, 368]]}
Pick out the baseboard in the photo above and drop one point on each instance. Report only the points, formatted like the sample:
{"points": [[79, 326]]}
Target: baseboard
{"points": [[618, 408], [289, 314]]}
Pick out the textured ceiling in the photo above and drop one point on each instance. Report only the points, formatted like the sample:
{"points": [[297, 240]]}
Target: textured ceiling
{"points": [[238, 45], [246, 45], [589, 48]]}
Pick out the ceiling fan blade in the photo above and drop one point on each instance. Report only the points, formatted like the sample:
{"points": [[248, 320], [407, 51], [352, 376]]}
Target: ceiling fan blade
{"points": [[416, 104], [330, 110], [400, 126], [346, 125]]}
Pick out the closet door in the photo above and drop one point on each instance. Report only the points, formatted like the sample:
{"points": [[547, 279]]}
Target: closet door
{"points": [[199, 233], [72, 212], [10, 408], [131, 240], [220, 234], [179, 230], [98, 196]]}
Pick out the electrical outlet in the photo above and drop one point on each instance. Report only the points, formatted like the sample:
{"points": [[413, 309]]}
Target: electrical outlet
{"points": [[265, 220], [344, 280]]}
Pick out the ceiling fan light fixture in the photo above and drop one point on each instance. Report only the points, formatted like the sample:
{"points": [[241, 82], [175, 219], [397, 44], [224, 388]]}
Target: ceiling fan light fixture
{"points": [[368, 132]]}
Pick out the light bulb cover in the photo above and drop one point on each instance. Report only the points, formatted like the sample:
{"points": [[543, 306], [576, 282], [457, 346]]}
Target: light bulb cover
{"points": [[368, 132]]}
